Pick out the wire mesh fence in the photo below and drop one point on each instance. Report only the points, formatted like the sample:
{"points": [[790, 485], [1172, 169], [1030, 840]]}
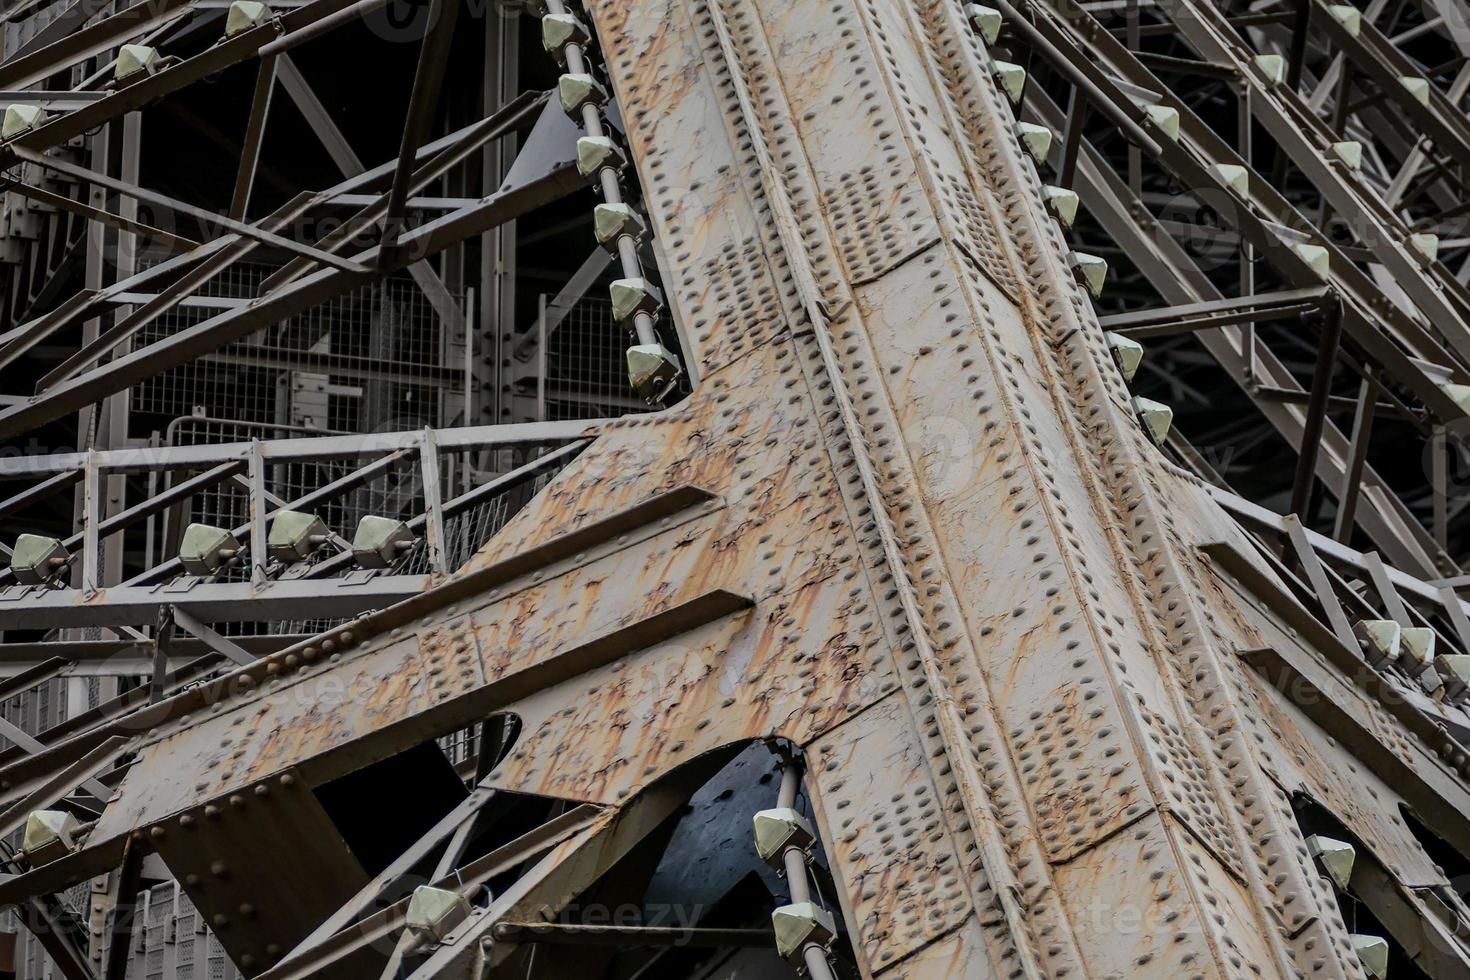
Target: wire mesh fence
{"points": [[354, 363], [586, 373]]}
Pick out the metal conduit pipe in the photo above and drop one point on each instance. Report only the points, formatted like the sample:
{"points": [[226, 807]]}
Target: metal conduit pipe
{"points": [[794, 859], [612, 192]]}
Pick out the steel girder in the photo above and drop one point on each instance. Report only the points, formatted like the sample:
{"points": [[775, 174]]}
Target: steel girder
{"points": [[1056, 693]]}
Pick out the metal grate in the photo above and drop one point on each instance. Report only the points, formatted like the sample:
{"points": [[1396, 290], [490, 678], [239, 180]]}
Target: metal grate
{"points": [[270, 378], [37, 709], [586, 364]]}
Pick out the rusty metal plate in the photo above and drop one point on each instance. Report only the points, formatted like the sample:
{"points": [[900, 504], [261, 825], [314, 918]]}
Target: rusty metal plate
{"points": [[959, 956], [881, 813], [927, 84], [827, 93], [263, 867], [1067, 735], [1132, 907], [1307, 759], [699, 199]]}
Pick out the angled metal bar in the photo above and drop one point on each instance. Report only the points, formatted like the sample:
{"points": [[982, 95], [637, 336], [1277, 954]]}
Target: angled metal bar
{"points": [[77, 725], [1209, 314], [30, 744], [161, 501], [1340, 554], [68, 477], [260, 107], [15, 343], [124, 891], [33, 67], [577, 934], [317, 116], [207, 219], [319, 27], [178, 243], [308, 961], [127, 369], [569, 296], [1393, 603], [1455, 612], [1072, 136], [219, 644], [1311, 565], [230, 249], [50, 789], [1352, 479], [468, 499], [427, 80], [1082, 74], [433, 504], [43, 917], [462, 815], [1321, 390], [76, 13], [337, 365], [26, 679]]}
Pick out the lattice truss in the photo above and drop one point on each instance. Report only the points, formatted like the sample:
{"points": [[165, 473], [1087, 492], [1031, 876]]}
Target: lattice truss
{"points": [[987, 504]]}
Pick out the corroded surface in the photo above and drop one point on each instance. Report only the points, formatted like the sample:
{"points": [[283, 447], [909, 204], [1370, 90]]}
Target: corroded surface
{"points": [[976, 595]]}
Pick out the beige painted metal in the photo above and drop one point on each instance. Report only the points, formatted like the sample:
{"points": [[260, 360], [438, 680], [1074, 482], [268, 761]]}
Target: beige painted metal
{"points": [[933, 548]]}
